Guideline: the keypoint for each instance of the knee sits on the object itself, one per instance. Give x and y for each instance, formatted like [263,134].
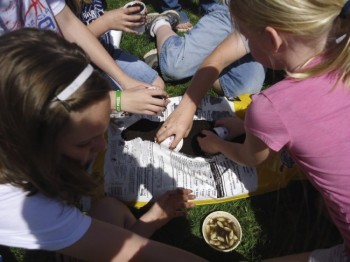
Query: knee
[177,70]
[159,82]
[106,203]
[111,210]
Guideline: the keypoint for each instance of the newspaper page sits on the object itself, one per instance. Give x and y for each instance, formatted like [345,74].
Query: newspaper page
[138,170]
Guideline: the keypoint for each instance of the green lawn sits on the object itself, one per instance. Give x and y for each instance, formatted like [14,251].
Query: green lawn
[286,221]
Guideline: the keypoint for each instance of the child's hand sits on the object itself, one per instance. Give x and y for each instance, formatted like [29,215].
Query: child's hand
[124,19]
[174,203]
[143,100]
[208,142]
[168,206]
[234,125]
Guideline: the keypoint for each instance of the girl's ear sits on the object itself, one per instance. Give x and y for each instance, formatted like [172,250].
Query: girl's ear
[275,39]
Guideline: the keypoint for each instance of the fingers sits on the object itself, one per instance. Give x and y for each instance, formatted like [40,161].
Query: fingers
[168,129]
[157,104]
[177,139]
[157,91]
[182,194]
[181,202]
[163,133]
[134,17]
[135,11]
[179,124]
[144,99]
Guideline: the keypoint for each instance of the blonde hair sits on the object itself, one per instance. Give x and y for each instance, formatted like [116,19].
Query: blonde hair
[308,20]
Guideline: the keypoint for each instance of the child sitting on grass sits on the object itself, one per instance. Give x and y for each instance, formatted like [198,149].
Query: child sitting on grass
[308,112]
[54,111]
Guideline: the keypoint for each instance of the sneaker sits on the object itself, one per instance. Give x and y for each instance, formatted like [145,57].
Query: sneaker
[171,16]
[151,58]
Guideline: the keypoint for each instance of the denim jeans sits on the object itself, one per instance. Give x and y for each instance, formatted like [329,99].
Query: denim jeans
[180,57]
[133,67]
[164,5]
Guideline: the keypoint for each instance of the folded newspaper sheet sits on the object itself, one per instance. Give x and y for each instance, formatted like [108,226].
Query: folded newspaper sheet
[137,170]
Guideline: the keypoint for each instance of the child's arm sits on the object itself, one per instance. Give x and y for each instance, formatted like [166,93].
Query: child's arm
[171,204]
[105,242]
[75,31]
[251,153]
[123,19]
[180,121]
[108,241]
[141,100]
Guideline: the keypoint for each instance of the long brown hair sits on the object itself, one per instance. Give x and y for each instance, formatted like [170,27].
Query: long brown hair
[35,66]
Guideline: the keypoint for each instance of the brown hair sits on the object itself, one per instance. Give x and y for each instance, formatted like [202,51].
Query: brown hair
[35,66]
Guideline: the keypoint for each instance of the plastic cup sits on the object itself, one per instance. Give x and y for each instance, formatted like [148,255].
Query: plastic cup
[140,29]
[222,231]
[116,37]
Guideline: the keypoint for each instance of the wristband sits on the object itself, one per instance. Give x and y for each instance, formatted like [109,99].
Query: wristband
[118,102]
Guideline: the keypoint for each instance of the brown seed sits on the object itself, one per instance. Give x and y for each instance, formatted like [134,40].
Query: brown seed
[228,229]
[219,223]
[213,236]
[231,234]
[231,242]
[221,219]
[221,239]
[207,229]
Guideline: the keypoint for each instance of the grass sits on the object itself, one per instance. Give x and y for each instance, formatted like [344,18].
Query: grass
[282,222]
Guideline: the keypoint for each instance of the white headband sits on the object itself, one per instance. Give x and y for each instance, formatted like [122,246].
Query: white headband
[77,82]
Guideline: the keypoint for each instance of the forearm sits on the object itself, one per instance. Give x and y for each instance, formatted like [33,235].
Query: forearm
[75,31]
[229,51]
[99,26]
[251,153]
[201,82]
[235,152]
[144,229]
[112,95]
[156,251]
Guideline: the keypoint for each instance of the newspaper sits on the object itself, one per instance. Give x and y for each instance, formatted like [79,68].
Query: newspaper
[138,170]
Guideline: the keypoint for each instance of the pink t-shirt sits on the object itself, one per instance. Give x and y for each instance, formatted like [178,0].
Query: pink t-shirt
[311,119]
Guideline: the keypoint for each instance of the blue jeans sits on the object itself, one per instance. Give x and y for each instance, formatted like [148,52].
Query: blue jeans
[133,67]
[180,57]
[164,5]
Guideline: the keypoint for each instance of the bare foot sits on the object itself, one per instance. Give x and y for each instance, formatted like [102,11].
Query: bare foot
[168,206]
[184,27]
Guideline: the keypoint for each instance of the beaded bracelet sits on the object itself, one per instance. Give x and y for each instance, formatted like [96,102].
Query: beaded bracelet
[118,102]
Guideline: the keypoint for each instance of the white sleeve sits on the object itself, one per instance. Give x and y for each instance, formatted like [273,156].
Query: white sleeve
[56,6]
[38,222]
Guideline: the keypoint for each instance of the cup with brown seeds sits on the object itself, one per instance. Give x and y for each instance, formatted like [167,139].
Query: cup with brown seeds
[222,231]
[143,10]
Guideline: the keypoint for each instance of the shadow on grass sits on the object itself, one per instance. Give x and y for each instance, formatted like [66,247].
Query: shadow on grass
[287,221]
[22,255]
[292,220]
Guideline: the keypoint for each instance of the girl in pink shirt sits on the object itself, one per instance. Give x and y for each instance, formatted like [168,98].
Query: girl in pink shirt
[308,112]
